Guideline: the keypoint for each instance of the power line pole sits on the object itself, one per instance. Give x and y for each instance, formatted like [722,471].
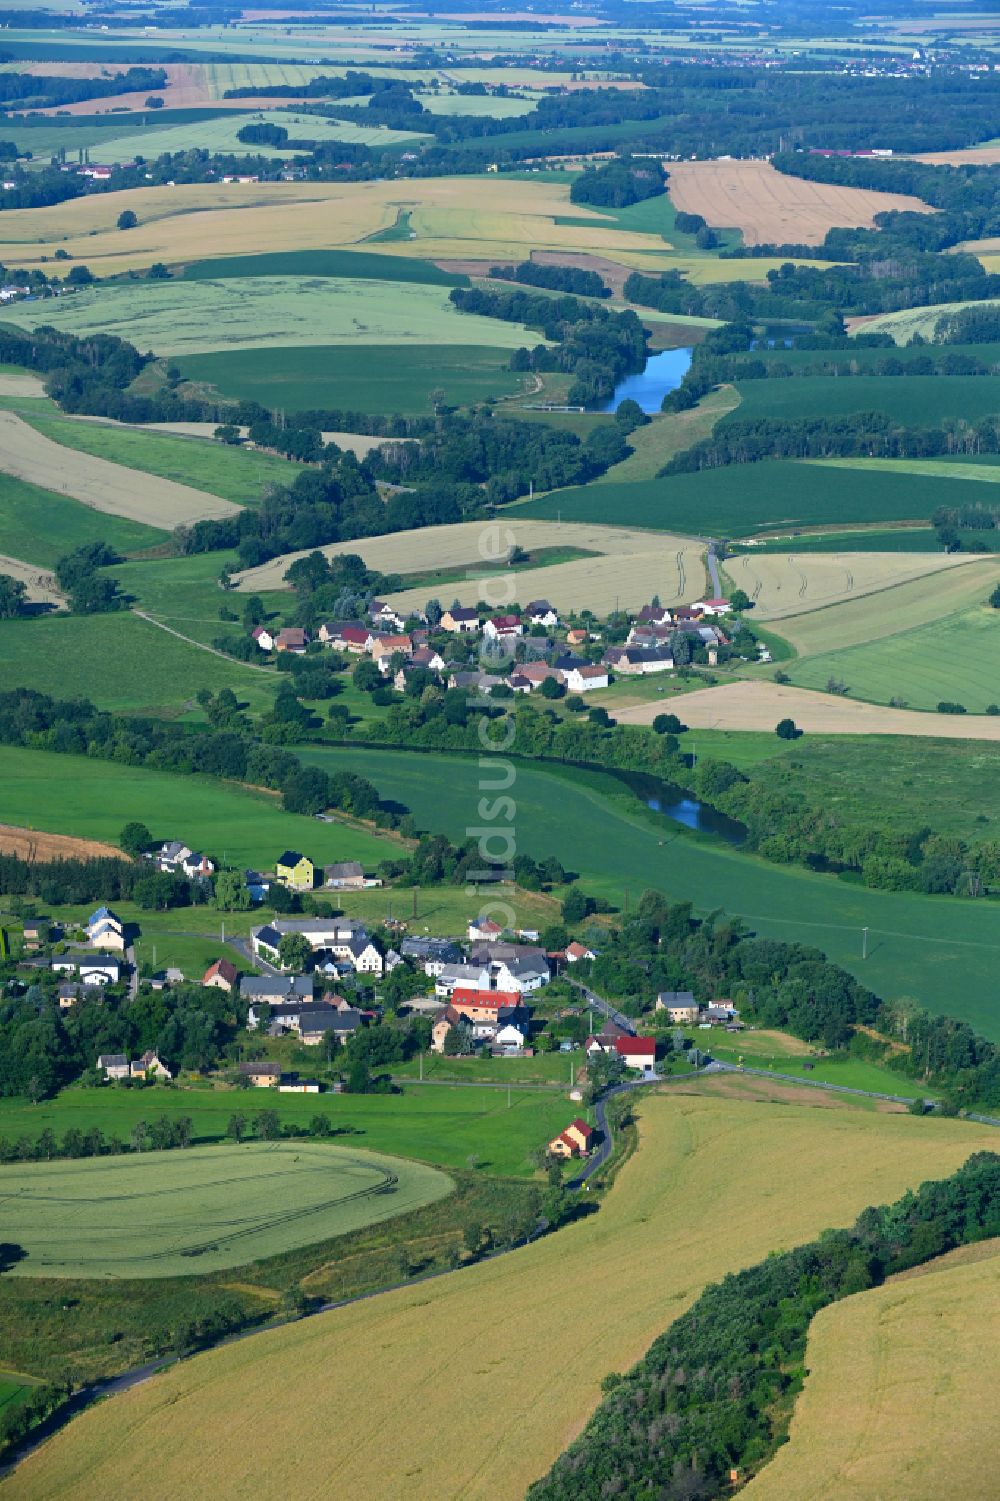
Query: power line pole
[864,943]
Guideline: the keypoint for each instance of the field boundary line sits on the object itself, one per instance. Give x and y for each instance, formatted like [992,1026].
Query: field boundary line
[873,593]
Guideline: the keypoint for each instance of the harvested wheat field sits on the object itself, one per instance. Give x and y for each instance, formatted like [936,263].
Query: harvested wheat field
[103,486]
[893,1406]
[759,705]
[21,385]
[701,1197]
[29,844]
[773,208]
[449,217]
[41,584]
[628,565]
[783,584]
[860,619]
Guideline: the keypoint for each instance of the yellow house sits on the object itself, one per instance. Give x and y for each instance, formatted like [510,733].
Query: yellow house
[295,871]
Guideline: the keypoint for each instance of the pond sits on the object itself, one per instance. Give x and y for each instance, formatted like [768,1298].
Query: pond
[677,805]
[664,372]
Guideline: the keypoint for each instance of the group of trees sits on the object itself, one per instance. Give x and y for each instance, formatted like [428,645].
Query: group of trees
[30,91]
[572,279]
[595,346]
[618,183]
[715,1393]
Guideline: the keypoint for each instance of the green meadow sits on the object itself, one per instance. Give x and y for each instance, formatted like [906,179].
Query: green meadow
[916,400]
[221,134]
[184,593]
[183,1213]
[120,661]
[956,660]
[236,474]
[433,1123]
[356,378]
[940,950]
[356,264]
[95,799]
[42,527]
[741,499]
[255,312]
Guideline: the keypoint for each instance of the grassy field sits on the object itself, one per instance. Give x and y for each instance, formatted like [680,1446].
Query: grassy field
[221,135]
[916,400]
[169,1214]
[919,320]
[737,501]
[435,1123]
[350,263]
[184,593]
[956,659]
[688,1208]
[256,312]
[237,474]
[939,950]
[870,1424]
[42,527]
[121,662]
[74,794]
[871,539]
[357,378]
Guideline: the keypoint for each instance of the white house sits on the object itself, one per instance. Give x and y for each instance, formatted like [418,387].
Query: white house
[540,612]
[113,1065]
[585,679]
[503,628]
[263,637]
[509,1037]
[484,929]
[92,969]
[105,930]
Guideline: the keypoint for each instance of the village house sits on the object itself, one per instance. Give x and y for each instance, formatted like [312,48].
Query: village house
[385,617]
[576,951]
[540,612]
[114,1065]
[149,1066]
[483,1005]
[605,1040]
[654,615]
[294,870]
[300,1086]
[713,606]
[68,995]
[273,990]
[292,638]
[484,929]
[575,1141]
[432,955]
[105,930]
[263,637]
[442,1025]
[460,620]
[532,675]
[426,656]
[680,1006]
[171,855]
[262,1074]
[384,648]
[221,975]
[636,1052]
[511,1034]
[198,867]
[347,635]
[36,932]
[634,661]
[577,636]
[504,629]
[92,969]
[257,886]
[476,682]
[585,679]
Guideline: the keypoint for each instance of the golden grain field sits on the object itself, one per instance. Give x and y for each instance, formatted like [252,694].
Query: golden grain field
[758,705]
[470,1385]
[98,483]
[782,584]
[868,617]
[773,208]
[897,1405]
[630,565]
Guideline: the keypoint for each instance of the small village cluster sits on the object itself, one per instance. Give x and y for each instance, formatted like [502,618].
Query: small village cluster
[521,644]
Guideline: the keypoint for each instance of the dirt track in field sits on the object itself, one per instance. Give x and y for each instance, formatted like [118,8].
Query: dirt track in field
[759,706]
[32,846]
[98,483]
[770,207]
[42,586]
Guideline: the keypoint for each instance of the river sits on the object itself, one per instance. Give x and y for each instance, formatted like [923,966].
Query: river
[664,372]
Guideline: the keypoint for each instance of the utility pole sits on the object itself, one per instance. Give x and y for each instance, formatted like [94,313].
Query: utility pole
[571,1073]
[223,930]
[421,1068]
[415,903]
[508,1096]
[864,943]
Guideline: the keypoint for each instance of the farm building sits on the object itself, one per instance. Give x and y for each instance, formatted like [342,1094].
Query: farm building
[294,870]
[221,975]
[262,1075]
